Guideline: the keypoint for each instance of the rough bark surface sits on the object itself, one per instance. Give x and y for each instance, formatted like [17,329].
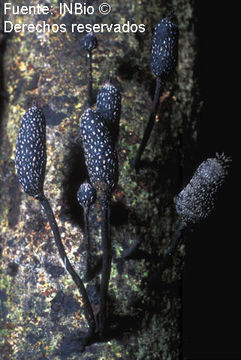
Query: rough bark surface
[40,308]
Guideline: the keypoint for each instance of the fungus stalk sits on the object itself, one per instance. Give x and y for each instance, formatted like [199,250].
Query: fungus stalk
[150,124]
[90,78]
[86,196]
[87,242]
[168,254]
[54,227]
[106,262]
[175,242]
[30,163]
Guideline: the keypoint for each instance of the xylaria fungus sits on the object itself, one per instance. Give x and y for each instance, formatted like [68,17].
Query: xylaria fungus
[31,152]
[102,164]
[86,196]
[196,201]
[163,62]
[100,154]
[108,103]
[30,162]
[164,49]
[89,43]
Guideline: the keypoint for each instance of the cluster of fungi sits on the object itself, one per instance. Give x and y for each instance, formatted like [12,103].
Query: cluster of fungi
[99,130]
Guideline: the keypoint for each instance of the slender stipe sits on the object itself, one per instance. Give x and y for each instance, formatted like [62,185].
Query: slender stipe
[90,79]
[106,264]
[86,196]
[174,243]
[87,242]
[150,123]
[168,255]
[54,227]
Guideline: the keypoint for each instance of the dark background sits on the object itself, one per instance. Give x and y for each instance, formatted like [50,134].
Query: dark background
[211,284]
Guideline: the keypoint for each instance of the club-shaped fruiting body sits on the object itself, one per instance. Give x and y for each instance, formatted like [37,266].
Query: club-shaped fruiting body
[164,49]
[100,154]
[86,195]
[196,201]
[108,103]
[90,42]
[30,156]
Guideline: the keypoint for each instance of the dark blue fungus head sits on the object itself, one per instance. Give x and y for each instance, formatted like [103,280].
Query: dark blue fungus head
[196,201]
[86,195]
[30,157]
[89,42]
[100,154]
[164,49]
[108,103]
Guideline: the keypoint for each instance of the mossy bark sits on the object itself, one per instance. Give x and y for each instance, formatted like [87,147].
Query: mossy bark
[41,310]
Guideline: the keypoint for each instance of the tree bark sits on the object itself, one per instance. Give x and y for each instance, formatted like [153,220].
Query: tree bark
[37,321]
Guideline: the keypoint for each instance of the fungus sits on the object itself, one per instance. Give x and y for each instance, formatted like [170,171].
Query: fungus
[100,154]
[86,196]
[164,49]
[90,43]
[102,164]
[196,201]
[163,63]
[30,162]
[31,151]
[108,103]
